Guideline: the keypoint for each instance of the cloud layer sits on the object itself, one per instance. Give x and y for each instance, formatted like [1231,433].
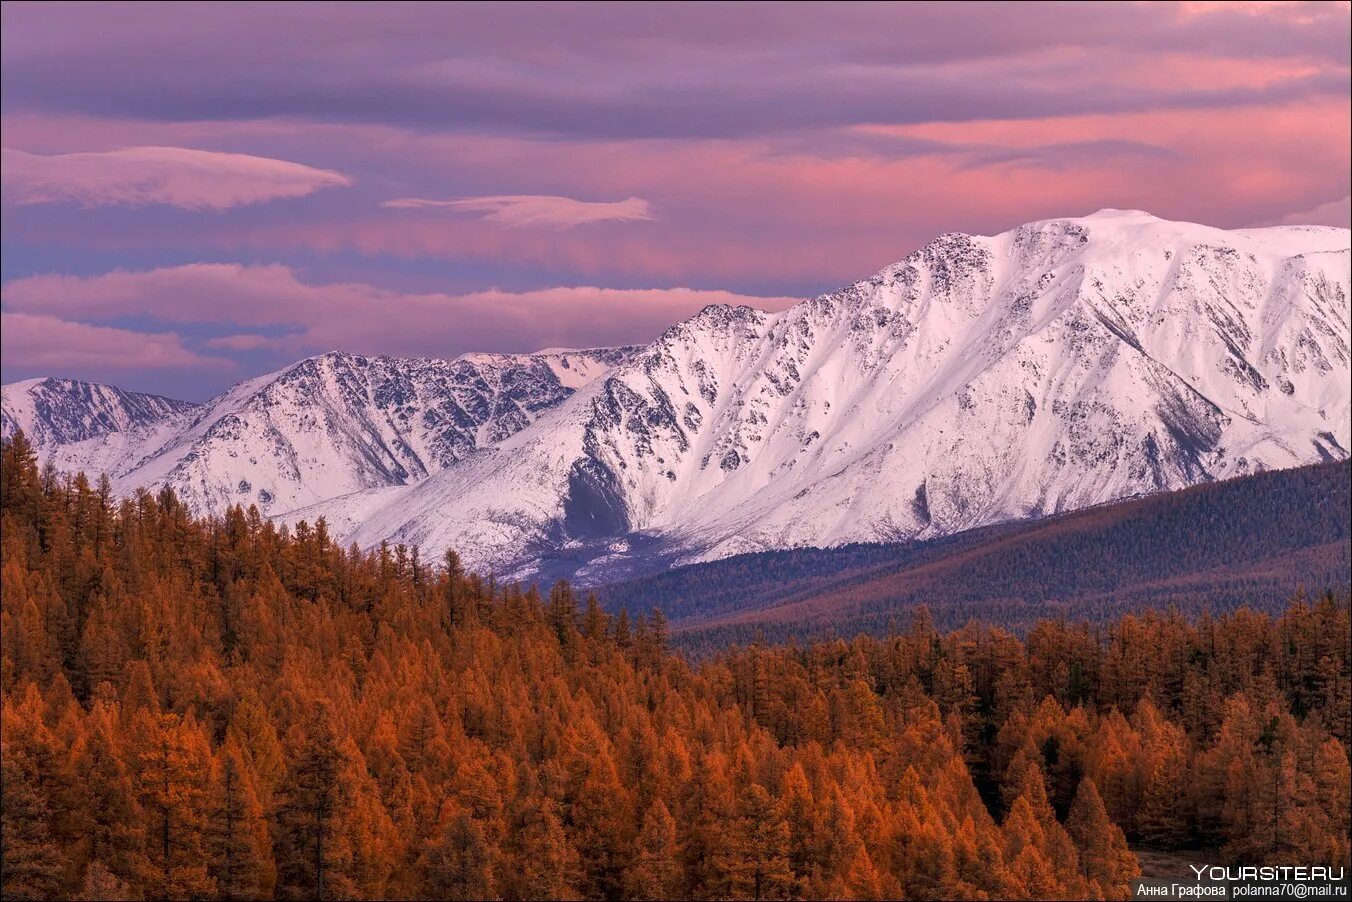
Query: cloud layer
[534,210]
[272,309]
[759,150]
[730,71]
[47,343]
[176,176]
[1334,213]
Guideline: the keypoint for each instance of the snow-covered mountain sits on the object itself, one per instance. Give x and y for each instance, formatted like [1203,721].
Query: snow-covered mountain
[55,412]
[1062,364]
[326,426]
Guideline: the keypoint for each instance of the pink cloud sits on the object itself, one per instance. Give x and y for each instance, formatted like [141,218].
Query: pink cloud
[737,210]
[248,342]
[1334,213]
[364,318]
[822,210]
[177,176]
[1302,11]
[534,210]
[1227,173]
[35,341]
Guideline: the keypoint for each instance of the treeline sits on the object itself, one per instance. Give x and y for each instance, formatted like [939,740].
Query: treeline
[1217,547]
[225,709]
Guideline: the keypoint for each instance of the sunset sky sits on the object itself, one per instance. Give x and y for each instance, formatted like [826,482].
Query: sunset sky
[195,195]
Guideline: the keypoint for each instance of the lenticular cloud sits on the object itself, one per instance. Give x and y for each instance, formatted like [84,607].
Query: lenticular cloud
[176,176]
[535,210]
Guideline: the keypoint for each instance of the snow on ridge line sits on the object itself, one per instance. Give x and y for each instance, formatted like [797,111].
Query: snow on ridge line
[59,411]
[329,425]
[1062,363]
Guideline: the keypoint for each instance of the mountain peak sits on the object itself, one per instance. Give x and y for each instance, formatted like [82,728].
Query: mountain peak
[331,424]
[1060,364]
[53,411]
[1057,365]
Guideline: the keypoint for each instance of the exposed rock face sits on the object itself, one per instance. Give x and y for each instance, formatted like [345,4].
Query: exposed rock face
[324,427]
[54,412]
[1062,364]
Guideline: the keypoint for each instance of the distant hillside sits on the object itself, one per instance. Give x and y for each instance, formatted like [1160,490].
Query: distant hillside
[1216,546]
[1061,364]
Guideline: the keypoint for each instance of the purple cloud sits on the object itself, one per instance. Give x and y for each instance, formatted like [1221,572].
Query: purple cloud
[1072,154]
[1334,213]
[786,149]
[713,72]
[534,210]
[177,176]
[36,342]
[364,318]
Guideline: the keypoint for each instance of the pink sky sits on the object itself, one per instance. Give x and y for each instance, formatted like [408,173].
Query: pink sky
[197,194]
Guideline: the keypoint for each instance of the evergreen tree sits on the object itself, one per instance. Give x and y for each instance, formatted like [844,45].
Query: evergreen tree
[461,863]
[31,864]
[238,845]
[656,871]
[757,849]
[314,856]
[173,767]
[113,828]
[1104,856]
[100,885]
[545,866]
[1162,821]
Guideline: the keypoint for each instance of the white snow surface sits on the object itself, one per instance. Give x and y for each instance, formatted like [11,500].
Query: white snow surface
[84,425]
[1062,364]
[324,427]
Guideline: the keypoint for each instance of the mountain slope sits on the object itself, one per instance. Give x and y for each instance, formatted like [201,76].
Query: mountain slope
[1248,540]
[54,412]
[1063,364]
[326,426]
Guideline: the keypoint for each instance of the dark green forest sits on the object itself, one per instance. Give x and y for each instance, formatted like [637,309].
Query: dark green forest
[1214,547]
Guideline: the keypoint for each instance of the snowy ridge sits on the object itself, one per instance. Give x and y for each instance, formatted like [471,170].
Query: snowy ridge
[326,426]
[1062,364]
[56,413]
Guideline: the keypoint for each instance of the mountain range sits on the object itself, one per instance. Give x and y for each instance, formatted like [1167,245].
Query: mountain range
[1062,364]
[327,426]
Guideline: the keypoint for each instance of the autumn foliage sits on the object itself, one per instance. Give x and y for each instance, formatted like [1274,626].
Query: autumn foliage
[225,709]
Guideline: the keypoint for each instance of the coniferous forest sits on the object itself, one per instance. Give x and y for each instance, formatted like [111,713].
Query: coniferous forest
[1214,546]
[224,709]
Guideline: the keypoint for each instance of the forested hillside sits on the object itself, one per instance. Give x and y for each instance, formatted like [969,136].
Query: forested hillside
[1215,547]
[221,709]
